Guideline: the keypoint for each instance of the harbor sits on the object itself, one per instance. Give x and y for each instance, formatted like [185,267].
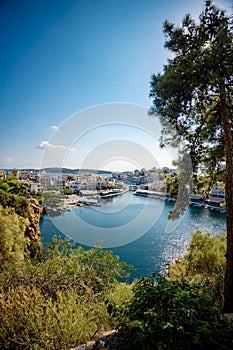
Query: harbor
[86,198]
[214,202]
[156,248]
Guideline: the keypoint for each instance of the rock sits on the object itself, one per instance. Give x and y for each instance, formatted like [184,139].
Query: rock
[88,346]
[33,229]
[112,340]
[229,317]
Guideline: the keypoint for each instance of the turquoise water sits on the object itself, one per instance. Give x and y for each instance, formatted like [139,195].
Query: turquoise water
[123,220]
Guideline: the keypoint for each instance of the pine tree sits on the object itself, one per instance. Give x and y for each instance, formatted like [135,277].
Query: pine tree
[193,99]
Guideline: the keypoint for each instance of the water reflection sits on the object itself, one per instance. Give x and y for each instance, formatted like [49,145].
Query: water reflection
[156,248]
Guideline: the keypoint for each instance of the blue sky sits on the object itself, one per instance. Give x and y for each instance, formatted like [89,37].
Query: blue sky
[59,57]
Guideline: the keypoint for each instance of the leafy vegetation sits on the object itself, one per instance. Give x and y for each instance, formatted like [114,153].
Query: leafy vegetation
[59,302]
[165,314]
[11,195]
[67,191]
[172,185]
[204,264]
[19,203]
[11,185]
[193,100]
[31,320]
[38,196]
[52,197]
[205,257]
[13,243]
[183,310]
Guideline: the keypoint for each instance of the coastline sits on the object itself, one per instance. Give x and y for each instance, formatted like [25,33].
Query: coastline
[75,200]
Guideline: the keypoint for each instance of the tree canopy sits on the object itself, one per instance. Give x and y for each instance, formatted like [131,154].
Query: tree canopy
[193,99]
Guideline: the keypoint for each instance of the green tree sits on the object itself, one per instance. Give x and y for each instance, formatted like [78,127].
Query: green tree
[67,191]
[205,258]
[13,186]
[193,98]
[18,203]
[172,186]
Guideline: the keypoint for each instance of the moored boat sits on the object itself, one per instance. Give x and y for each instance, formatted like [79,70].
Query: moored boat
[196,200]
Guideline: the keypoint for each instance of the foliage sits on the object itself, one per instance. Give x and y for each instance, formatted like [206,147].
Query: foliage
[171,315]
[172,186]
[118,185]
[12,241]
[31,320]
[38,196]
[120,293]
[67,191]
[204,264]
[19,203]
[206,255]
[193,99]
[13,186]
[11,195]
[187,96]
[50,197]
[63,267]
[59,302]
[204,184]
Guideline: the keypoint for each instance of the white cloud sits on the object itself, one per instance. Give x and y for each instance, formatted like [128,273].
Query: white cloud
[54,127]
[50,146]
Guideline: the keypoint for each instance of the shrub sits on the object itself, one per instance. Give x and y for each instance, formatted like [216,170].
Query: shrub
[12,241]
[206,254]
[38,196]
[59,302]
[30,320]
[204,264]
[19,203]
[171,315]
[63,268]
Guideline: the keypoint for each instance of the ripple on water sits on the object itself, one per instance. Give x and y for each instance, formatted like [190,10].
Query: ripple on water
[157,247]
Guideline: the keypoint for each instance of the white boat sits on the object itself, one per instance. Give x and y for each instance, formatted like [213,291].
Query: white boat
[217,197]
[196,200]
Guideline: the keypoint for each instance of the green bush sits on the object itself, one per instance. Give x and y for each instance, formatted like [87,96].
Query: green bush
[67,268]
[18,203]
[59,302]
[13,243]
[30,320]
[13,186]
[171,315]
[67,191]
[204,264]
[38,196]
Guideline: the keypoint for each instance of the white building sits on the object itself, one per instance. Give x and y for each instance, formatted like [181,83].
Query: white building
[46,182]
[35,187]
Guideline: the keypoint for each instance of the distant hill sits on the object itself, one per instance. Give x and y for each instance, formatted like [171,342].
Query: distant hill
[60,170]
[55,170]
[75,171]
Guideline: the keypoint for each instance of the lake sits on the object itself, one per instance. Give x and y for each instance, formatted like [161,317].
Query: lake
[135,228]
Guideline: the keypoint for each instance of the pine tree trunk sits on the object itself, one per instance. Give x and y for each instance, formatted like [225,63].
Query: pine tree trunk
[228,282]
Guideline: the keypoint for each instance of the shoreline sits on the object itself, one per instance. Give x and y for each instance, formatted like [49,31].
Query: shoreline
[75,200]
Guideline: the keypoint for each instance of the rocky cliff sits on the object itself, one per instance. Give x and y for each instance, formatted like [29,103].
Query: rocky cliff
[33,229]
